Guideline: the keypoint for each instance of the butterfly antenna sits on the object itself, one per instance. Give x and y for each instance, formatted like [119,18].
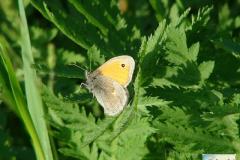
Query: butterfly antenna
[74,64]
[90,61]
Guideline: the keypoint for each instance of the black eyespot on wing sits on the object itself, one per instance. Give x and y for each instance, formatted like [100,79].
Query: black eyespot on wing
[122,65]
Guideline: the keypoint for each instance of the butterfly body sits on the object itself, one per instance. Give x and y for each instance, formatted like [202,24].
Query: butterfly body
[108,83]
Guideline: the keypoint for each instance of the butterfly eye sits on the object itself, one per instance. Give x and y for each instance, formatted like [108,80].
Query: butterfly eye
[123,65]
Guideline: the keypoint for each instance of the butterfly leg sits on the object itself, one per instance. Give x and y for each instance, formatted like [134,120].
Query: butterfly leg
[83,84]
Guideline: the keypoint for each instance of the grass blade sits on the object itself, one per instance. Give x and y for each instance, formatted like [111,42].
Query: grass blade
[16,98]
[34,101]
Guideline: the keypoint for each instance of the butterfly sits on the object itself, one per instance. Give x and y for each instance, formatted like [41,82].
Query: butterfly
[109,82]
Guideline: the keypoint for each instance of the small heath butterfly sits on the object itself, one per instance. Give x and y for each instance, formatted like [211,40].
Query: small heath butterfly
[109,82]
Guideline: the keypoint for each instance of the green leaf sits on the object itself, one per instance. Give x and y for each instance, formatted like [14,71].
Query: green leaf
[161,82]
[193,51]
[229,46]
[206,68]
[196,136]
[201,19]
[125,144]
[149,52]
[81,8]
[88,30]
[176,45]
[68,118]
[150,101]
[95,58]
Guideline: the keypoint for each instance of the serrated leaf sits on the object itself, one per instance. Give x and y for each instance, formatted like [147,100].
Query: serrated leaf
[125,144]
[95,57]
[206,68]
[193,52]
[176,45]
[161,82]
[201,19]
[229,45]
[150,101]
[196,135]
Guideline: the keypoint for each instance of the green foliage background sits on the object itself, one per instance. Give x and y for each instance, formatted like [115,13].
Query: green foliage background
[184,98]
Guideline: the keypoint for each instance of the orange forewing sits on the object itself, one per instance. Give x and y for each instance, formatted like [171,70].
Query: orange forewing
[116,70]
